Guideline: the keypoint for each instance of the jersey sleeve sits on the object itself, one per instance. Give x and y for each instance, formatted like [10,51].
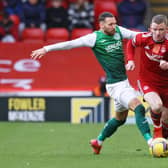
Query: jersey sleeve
[131,44]
[137,40]
[127,34]
[130,49]
[84,41]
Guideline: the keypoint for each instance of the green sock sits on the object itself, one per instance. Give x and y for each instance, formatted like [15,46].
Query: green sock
[142,122]
[109,128]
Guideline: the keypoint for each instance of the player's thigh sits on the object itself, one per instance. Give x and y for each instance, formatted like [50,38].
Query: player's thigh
[128,98]
[122,93]
[165,115]
[164,97]
[154,100]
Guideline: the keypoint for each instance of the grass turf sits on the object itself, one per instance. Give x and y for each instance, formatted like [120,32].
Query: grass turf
[64,145]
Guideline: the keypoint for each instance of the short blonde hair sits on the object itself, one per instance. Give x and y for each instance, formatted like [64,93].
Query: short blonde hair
[158,19]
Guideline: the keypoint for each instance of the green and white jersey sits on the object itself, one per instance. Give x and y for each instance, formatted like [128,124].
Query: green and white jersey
[107,49]
[109,52]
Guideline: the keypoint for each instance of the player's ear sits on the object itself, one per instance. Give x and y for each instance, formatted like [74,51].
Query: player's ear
[101,24]
[149,29]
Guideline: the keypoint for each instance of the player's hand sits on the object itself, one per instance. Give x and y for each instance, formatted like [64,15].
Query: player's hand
[130,66]
[163,65]
[38,53]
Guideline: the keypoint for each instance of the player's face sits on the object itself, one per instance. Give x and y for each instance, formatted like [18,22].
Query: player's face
[109,25]
[158,31]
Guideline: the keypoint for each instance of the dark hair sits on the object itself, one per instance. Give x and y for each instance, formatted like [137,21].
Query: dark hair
[158,19]
[104,15]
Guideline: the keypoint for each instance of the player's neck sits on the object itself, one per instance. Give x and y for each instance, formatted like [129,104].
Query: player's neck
[161,41]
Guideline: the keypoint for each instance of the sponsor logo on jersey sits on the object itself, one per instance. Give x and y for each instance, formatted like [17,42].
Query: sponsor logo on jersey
[112,47]
[154,57]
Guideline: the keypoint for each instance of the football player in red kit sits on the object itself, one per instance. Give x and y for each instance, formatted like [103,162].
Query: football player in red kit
[153,75]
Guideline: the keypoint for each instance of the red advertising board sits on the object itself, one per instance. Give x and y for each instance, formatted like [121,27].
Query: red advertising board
[75,69]
[60,70]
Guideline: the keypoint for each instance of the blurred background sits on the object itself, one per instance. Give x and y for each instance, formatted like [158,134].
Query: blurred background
[61,86]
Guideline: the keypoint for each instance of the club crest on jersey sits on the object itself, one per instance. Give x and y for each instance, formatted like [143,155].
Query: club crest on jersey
[145,87]
[116,36]
[163,49]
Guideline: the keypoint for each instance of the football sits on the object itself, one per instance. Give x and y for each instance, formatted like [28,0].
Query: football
[159,147]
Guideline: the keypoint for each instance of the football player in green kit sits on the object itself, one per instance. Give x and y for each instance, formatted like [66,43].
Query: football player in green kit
[106,44]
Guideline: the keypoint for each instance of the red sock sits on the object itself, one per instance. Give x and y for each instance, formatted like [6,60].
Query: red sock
[156,118]
[165,129]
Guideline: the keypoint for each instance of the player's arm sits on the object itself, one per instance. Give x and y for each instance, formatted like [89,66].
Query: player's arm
[164,63]
[84,41]
[128,34]
[130,51]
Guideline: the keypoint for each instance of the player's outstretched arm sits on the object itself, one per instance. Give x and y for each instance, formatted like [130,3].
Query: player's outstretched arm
[38,53]
[84,41]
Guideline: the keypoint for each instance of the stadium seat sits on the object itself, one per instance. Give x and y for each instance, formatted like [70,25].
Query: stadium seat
[34,35]
[15,19]
[54,35]
[78,32]
[101,6]
[48,4]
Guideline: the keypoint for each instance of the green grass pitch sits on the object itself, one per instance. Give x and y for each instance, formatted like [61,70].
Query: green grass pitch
[64,145]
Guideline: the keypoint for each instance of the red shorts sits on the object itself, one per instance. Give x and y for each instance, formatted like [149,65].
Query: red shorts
[146,87]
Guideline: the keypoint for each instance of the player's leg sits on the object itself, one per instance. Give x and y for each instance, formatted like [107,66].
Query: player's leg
[109,129]
[112,125]
[128,98]
[156,105]
[141,122]
[164,120]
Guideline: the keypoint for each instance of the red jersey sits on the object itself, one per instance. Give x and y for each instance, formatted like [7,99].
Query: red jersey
[151,54]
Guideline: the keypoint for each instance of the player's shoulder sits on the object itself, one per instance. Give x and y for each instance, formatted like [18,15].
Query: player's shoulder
[144,35]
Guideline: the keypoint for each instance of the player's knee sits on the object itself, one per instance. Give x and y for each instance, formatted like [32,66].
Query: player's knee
[157,107]
[134,103]
[164,117]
